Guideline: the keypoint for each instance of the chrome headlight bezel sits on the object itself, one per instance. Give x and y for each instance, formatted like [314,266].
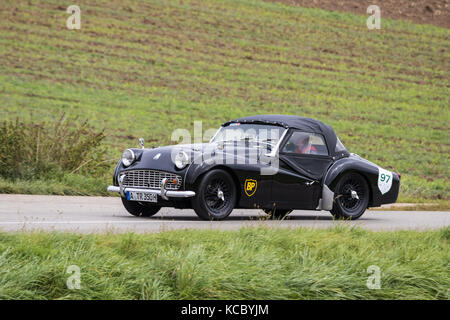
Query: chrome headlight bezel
[128,157]
[181,160]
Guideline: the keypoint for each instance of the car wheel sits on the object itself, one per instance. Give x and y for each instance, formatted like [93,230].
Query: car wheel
[277,214]
[140,210]
[351,197]
[215,196]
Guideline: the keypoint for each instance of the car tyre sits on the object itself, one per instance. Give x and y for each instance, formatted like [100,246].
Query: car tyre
[215,196]
[140,210]
[346,206]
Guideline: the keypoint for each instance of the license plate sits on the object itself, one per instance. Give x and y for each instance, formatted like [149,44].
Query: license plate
[142,196]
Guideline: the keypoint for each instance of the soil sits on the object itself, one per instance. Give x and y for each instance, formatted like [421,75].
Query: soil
[435,12]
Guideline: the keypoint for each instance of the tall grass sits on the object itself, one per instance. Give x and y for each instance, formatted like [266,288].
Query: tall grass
[251,263]
[36,150]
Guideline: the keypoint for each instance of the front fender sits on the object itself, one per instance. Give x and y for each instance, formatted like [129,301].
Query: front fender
[195,170]
[202,165]
[225,159]
[240,173]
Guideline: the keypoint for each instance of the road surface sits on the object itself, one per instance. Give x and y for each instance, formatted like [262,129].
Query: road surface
[106,214]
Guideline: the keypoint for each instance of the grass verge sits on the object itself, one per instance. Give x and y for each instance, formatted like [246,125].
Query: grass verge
[251,263]
[66,184]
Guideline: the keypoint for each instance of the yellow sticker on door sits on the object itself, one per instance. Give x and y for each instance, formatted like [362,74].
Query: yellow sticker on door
[250,186]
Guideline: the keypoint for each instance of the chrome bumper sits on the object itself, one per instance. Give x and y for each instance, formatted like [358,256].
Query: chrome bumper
[162,192]
[166,193]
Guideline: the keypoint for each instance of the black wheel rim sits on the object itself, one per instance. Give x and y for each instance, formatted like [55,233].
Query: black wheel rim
[348,202]
[213,195]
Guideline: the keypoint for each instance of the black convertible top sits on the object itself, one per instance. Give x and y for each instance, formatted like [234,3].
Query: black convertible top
[295,122]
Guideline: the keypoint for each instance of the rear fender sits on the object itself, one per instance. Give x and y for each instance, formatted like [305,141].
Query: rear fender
[370,172]
[361,166]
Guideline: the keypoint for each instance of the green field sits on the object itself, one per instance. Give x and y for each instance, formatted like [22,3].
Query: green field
[252,263]
[145,68]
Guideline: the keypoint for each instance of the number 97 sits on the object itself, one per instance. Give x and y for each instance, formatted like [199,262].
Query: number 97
[385,177]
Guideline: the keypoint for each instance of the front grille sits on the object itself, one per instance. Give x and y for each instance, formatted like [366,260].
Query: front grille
[150,179]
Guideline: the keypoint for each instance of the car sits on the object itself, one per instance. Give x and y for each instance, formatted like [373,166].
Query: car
[277,163]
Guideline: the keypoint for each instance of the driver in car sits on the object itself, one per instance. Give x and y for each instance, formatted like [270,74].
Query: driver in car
[304,147]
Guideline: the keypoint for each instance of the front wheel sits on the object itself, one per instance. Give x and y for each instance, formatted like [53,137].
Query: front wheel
[351,197]
[215,196]
[140,210]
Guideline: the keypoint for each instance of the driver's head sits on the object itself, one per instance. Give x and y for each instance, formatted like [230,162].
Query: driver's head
[301,141]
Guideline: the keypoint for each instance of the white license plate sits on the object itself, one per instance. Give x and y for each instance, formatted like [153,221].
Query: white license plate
[142,196]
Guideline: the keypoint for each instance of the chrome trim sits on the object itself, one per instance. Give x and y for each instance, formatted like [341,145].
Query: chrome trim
[319,206]
[326,202]
[169,193]
[184,154]
[141,142]
[163,189]
[151,179]
[132,161]
[121,178]
[220,195]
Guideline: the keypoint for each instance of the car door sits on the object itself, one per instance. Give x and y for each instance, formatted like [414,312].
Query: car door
[304,159]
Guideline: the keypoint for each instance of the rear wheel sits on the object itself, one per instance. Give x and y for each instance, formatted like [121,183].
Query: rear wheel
[277,214]
[139,209]
[351,197]
[215,196]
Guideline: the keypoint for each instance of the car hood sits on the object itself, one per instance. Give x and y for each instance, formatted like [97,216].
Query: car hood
[160,158]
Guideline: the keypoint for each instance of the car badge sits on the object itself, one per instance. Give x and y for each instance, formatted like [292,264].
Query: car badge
[250,186]
[157,156]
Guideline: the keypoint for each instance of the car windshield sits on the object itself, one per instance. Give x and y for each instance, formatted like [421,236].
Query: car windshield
[268,135]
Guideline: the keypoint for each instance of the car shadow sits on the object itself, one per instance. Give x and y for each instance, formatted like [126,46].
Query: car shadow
[238,218]
[247,217]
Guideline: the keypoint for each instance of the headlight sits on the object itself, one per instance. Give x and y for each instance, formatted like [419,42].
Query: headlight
[181,160]
[128,157]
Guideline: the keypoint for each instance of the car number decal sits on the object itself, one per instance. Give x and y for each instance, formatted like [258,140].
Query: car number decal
[250,186]
[384,180]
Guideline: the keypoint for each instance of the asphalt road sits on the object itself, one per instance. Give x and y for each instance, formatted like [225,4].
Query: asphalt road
[103,214]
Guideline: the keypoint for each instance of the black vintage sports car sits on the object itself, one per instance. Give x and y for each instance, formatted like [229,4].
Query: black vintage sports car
[277,163]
